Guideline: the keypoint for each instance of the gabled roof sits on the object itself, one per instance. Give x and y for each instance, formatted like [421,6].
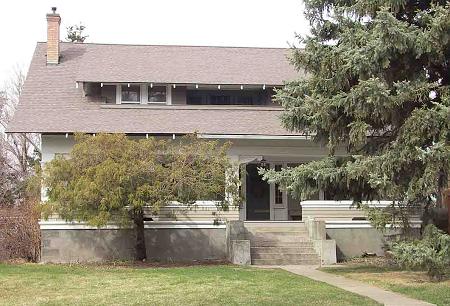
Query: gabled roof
[51,103]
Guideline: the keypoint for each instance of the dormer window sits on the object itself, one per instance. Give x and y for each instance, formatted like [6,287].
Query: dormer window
[157,94]
[143,93]
[131,94]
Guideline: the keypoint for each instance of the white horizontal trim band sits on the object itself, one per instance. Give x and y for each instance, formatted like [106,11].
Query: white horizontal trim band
[263,137]
[362,224]
[197,204]
[341,204]
[63,225]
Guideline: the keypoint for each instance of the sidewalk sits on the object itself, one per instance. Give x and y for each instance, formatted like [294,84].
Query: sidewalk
[382,296]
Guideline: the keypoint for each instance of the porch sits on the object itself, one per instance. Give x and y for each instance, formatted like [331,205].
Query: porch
[265,201]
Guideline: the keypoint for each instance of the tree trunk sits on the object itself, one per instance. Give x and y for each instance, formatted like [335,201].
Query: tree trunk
[447,202]
[448,214]
[141,251]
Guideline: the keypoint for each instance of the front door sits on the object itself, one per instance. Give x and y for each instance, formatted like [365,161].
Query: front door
[257,195]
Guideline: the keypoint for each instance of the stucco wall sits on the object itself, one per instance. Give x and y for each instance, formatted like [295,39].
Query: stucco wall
[167,244]
[55,144]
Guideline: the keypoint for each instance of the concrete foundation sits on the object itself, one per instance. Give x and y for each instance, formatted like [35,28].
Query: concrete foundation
[177,244]
[353,242]
[165,245]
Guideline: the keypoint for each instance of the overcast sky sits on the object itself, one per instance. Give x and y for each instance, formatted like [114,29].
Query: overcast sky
[261,23]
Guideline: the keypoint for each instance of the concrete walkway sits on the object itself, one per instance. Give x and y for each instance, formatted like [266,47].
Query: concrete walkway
[382,296]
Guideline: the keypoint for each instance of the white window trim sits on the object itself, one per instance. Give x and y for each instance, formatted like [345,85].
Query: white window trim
[119,95]
[169,95]
[144,95]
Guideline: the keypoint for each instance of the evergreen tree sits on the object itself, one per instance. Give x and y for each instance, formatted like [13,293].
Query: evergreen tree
[377,86]
[111,178]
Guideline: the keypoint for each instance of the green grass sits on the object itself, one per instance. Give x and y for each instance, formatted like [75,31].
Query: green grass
[36,284]
[415,284]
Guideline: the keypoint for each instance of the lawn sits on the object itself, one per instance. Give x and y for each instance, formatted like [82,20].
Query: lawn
[38,284]
[414,284]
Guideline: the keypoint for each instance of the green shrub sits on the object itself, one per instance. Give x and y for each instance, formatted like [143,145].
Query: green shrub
[432,252]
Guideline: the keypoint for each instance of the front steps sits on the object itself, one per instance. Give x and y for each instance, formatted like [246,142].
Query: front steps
[280,243]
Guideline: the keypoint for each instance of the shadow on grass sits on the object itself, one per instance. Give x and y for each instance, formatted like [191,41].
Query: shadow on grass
[367,268]
[361,269]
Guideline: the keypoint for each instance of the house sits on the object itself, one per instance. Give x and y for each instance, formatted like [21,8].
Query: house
[222,93]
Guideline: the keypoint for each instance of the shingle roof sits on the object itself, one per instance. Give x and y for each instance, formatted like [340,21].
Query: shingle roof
[50,102]
[185,64]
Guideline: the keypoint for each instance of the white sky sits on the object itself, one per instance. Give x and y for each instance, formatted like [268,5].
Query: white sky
[261,23]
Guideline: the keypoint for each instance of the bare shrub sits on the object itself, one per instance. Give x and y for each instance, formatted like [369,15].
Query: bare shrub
[19,232]
[19,180]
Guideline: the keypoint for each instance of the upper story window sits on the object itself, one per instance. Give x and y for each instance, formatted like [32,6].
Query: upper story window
[131,94]
[220,99]
[108,92]
[145,93]
[227,97]
[157,94]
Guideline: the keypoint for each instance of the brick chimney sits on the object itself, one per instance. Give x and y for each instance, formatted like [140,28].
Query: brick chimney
[53,22]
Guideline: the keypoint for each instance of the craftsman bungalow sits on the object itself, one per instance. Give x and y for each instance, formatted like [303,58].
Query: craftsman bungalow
[222,93]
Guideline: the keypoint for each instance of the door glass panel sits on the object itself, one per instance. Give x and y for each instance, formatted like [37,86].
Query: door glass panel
[257,195]
[278,192]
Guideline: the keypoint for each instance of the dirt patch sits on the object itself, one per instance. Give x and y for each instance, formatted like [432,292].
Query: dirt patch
[153,264]
[376,261]
[129,264]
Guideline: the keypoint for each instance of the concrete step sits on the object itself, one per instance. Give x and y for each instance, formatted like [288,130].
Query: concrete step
[276,229]
[282,250]
[278,234]
[285,256]
[281,244]
[274,224]
[265,262]
[276,241]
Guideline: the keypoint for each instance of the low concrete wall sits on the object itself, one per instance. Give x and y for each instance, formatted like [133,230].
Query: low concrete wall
[163,244]
[353,242]
[355,238]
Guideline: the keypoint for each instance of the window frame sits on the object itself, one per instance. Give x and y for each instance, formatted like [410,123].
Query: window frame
[144,87]
[130,102]
[276,187]
[251,97]
[147,89]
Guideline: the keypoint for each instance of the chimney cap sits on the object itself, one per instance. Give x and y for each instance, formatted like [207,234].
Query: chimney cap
[54,9]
